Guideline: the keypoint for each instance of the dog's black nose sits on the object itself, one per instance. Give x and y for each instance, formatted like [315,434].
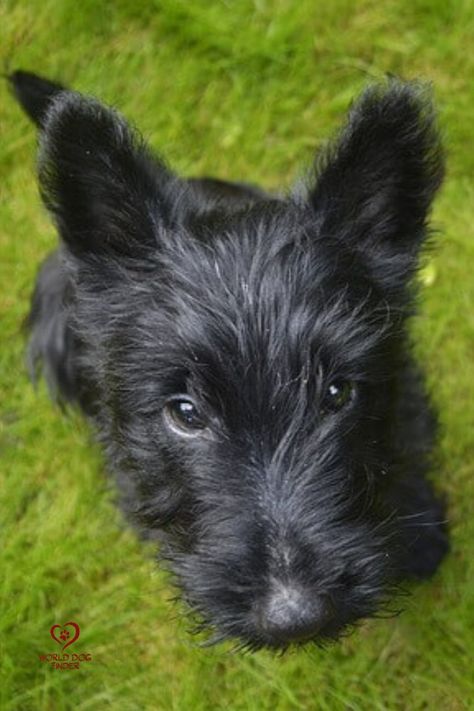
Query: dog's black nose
[290,613]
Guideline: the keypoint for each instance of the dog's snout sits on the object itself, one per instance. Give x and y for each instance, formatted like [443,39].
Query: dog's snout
[291,614]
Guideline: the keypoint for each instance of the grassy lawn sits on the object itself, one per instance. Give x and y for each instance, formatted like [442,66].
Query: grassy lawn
[240,89]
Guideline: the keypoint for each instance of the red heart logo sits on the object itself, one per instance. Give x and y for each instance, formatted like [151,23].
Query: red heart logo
[65,637]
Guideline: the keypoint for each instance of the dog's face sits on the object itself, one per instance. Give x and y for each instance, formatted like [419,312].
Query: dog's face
[245,359]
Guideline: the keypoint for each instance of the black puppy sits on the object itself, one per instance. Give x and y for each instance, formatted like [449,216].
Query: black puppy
[245,359]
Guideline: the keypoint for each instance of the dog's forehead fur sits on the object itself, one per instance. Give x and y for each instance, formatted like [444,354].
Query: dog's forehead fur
[261,303]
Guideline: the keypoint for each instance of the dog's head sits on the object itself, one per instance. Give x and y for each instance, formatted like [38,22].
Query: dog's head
[245,358]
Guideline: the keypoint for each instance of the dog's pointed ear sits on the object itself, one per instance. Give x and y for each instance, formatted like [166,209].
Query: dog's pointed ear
[375,184]
[105,191]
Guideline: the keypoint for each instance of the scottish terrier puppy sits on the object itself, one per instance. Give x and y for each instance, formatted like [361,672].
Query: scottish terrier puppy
[244,358]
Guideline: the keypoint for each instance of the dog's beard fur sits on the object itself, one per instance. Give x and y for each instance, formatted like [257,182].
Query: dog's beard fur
[299,501]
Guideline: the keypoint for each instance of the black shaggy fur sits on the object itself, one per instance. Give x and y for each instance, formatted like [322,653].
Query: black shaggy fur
[245,360]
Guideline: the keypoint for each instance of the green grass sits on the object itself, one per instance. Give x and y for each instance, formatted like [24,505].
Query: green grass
[245,90]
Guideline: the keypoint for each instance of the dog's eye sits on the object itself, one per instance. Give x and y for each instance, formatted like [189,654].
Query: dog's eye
[339,393]
[184,416]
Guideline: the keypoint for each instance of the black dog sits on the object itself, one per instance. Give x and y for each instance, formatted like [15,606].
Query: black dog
[245,359]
